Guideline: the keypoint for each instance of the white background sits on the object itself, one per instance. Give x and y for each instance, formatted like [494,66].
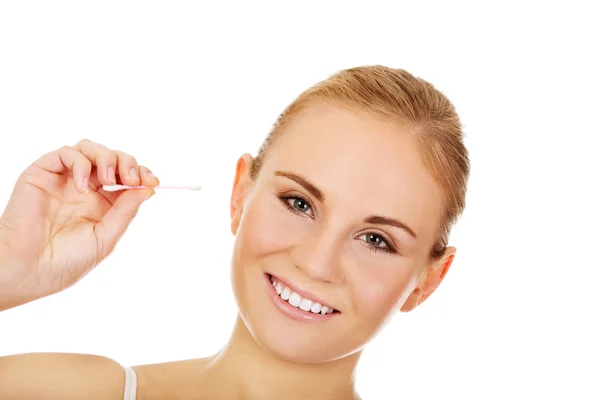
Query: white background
[187,88]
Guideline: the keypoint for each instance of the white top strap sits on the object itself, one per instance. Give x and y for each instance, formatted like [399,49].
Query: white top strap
[130,384]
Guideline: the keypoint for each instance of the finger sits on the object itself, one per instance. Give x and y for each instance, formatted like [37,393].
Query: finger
[104,159]
[68,159]
[111,197]
[128,169]
[148,178]
[116,220]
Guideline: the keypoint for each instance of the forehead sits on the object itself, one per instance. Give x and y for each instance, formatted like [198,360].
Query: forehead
[361,162]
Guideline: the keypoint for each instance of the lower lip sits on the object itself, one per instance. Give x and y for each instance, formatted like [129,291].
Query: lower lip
[293,312]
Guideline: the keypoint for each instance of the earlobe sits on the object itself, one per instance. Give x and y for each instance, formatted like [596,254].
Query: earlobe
[241,182]
[432,279]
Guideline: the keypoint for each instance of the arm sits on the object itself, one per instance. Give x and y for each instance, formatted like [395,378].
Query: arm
[13,290]
[58,225]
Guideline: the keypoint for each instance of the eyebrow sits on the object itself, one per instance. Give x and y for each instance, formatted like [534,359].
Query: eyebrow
[373,219]
[304,183]
[376,219]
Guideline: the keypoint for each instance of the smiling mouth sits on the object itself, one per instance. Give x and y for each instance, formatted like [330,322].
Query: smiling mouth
[295,300]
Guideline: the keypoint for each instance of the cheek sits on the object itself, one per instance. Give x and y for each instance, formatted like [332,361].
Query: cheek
[267,227]
[382,289]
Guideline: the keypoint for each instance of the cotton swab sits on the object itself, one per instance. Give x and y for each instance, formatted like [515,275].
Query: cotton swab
[116,188]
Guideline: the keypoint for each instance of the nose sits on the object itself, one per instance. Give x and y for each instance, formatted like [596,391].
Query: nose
[319,254]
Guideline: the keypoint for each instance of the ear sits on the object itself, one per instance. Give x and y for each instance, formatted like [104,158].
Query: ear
[431,280]
[241,182]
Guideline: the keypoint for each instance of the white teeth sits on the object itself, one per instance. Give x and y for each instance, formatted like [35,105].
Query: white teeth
[306,305]
[296,300]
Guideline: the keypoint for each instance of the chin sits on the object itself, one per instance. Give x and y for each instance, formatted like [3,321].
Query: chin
[298,347]
[315,340]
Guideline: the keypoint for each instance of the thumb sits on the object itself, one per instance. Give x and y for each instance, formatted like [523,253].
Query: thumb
[117,219]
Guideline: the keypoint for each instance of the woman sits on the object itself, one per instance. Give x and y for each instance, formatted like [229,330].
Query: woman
[341,220]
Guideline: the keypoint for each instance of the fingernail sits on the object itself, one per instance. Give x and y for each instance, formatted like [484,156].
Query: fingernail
[149,173]
[133,173]
[85,184]
[111,174]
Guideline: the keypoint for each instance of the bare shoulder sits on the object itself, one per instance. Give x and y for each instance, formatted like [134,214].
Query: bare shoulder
[173,380]
[60,376]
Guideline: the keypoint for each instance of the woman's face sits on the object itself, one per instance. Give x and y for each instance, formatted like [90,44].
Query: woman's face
[344,214]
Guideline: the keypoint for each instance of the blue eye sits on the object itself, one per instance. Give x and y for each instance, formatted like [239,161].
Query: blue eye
[297,205]
[377,243]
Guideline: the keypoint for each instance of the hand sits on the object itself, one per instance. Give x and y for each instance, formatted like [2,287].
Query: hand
[59,223]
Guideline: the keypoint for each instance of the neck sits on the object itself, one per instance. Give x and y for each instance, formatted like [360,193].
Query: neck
[244,370]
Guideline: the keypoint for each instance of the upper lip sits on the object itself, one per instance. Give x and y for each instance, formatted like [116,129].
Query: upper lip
[304,294]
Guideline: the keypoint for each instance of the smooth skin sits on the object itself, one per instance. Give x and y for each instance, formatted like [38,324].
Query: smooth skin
[57,226]
[368,270]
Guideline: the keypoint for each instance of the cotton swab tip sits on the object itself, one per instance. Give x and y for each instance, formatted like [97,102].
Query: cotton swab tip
[116,188]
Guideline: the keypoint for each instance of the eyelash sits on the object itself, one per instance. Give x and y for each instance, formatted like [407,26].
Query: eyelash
[387,250]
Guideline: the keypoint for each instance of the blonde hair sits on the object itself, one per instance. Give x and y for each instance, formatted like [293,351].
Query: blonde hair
[399,96]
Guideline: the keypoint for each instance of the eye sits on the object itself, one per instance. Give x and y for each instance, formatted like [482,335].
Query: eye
[377,243]
[297,205]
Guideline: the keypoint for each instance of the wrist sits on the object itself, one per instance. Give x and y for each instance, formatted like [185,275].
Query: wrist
[11,278]
[11,288]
